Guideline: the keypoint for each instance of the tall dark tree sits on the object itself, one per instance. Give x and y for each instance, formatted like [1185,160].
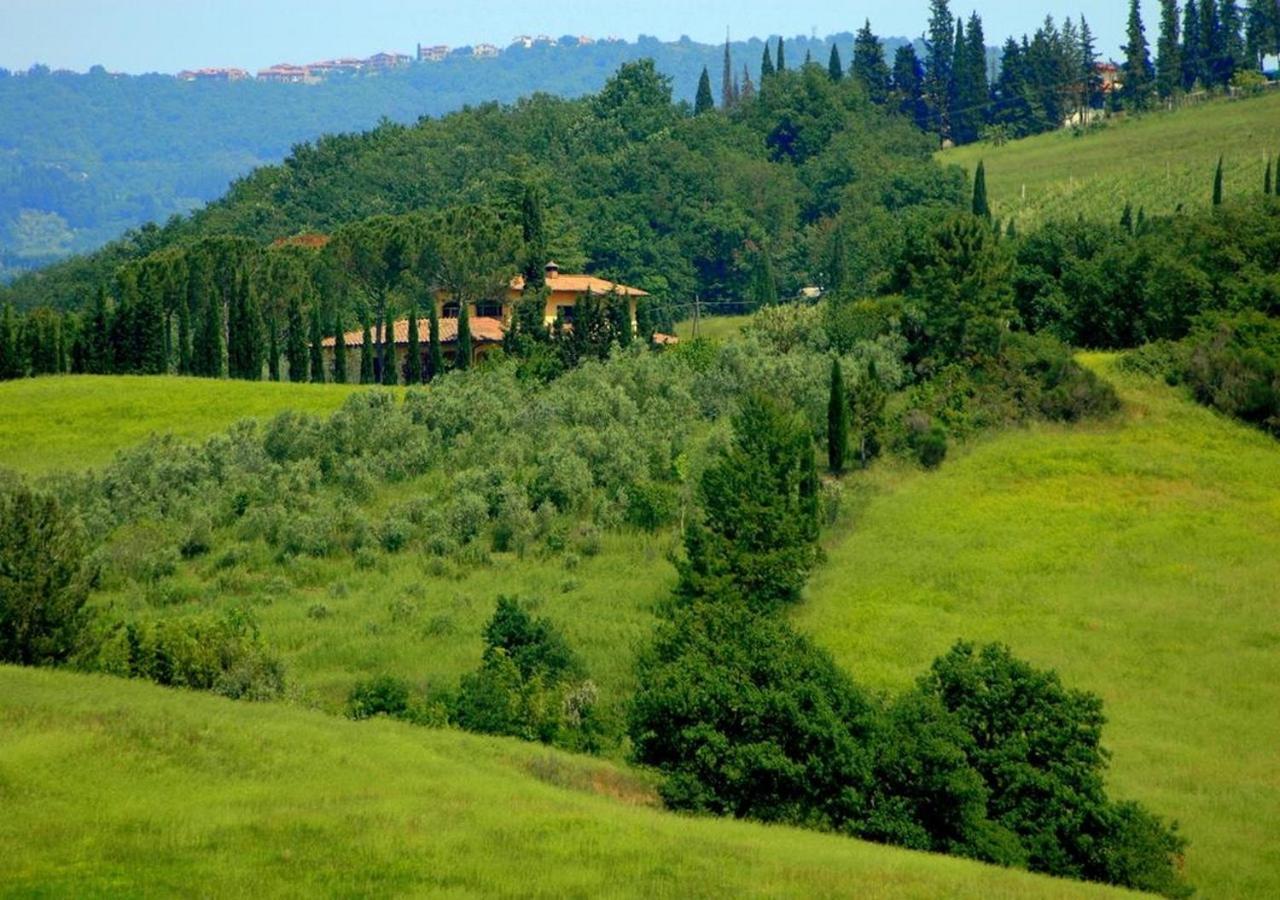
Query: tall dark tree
[533,233]
[273,347]
[970,82]
[184,332]
[413,362]
[388,373]
[1094,95]
[748,86]
[703,102]
[1266,180]
[1233,55]
[835,66]
[728,84]
[837,421]
[339,348]
[316,353]
[1191,56]
[98,338]
[939,54]
[764,284]
[207,347]
[462,348]
[869,67]
[1137,73]
[981,207]
[435,354]
[1213,46]
[1169,51]
[781,61]
[367,353]
[908,84]
[295,341]
[1217,184]
[9,367]
[766,64]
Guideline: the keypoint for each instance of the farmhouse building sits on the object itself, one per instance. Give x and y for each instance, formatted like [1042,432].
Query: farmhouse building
[488,319]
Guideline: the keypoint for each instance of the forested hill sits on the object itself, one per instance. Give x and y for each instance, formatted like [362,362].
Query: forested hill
[637,187]
[83,157]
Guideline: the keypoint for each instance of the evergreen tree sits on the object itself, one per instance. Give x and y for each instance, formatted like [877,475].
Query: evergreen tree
[766,64]
[1168,51]
[1191,56]
[413,362]
[728,86]
[908,81]
[838,265]
[1217,184]
[339,349]
[939,53]
[9,367]
[866,405]
[207,342]
[273,347]
[764,286]
[1232,41]
[837,421]
[1213,48]
[869,67]
[535,242]
[970,80]
[316,340]
[435,353]
[703,102]
[389,374]
[295,342]
[835,67]
[1266,181]
[781,62]
[462,353]
[620,329]
[748,87]
[1126,218]
[184,334]
[980,206]
[366,353]
[1137,73]
[1262,32]
[1093,92]
[98,339]
[149,337]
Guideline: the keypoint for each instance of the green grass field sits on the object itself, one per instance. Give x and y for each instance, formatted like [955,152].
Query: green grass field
[714,327]
[79,421]
[1140,558]
[1156,161]
[114,788]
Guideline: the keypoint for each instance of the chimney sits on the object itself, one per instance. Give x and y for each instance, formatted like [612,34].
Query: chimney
[552,269]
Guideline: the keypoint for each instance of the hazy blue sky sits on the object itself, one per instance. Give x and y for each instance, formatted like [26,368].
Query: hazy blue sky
[167,35]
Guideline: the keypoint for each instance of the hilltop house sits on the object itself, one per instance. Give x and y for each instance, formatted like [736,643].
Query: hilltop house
[488,318]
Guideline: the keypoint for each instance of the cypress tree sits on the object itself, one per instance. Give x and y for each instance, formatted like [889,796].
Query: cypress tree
[766,64]
[1137,72]
[1217,184]
[980,206]
[1126,218]
[413,364]
[8,345]
[728,88]
[764,287]
[940,51]
[462,353]
[781,61]
[838,265]
[184,334]
[1266,181]
[98,339]
[1093,95]
[748,87]
[389,374]
[273,347]
[835,67]
[869,66]
[339,349]
[435,353]
[908,77]
[1232,40]
[1168,51]
[316,339]
[295,342]
[366,354]
[1212,46]
[703,102]
[1191,54]
[535,243]
[970,80]
[837,421]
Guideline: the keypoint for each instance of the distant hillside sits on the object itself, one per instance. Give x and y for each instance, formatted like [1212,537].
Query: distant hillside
[117,788]
[1158,162]
[85,157]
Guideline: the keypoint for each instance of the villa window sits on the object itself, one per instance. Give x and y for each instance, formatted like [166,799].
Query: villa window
[449,310]
[565,312]
[489,308]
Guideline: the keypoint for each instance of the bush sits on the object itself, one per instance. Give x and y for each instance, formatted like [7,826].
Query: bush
[383,695]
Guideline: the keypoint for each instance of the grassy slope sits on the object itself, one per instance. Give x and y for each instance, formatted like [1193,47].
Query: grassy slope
[114,788]
[1140,558]
[77,421]
[1157,161]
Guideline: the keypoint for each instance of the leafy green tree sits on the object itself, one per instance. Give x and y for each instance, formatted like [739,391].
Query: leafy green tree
[908,84]
[866,407]
[756,537]
[1168,51]
[764,284]
[703,101]
[837,421]
[1137,74]
[835,66]
[869,66]
[316,354]
[413,363]
[981,208]
[43,578]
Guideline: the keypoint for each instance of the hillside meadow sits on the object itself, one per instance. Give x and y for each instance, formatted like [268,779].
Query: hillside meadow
[75,422]
[1140,558]
[1158,161]
[117,788]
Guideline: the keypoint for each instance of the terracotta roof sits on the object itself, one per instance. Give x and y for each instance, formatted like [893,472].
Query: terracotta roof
[484,330]
[580,284]
[663,340]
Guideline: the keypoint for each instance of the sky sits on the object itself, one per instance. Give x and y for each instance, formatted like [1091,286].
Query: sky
[168,35]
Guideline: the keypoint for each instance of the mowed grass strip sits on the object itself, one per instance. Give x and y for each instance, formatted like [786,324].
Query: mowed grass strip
[1156,161]
[1138,557]
[114,788]
[73,422]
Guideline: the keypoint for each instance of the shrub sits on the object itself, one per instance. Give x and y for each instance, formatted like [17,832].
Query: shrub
[383,695]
